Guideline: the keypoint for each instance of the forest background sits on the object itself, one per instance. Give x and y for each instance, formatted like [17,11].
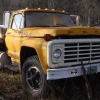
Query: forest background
[88,10]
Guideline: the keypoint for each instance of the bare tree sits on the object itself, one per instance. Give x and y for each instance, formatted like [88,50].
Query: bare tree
[88,10]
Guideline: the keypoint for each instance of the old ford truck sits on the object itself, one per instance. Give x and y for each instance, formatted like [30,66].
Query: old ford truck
[44,45]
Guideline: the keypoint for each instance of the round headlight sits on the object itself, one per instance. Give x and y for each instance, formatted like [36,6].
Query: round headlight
[57,53]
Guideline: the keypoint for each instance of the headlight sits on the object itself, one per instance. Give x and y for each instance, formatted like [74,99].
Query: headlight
[57,53]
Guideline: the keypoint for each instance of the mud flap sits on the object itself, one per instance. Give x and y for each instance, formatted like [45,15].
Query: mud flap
[88,88]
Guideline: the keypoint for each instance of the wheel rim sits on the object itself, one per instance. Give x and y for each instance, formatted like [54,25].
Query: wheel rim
[33,78]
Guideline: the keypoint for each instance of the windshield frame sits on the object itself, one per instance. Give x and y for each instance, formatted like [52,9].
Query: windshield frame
[54,13]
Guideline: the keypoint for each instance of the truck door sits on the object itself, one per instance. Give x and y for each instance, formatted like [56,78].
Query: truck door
[13,36]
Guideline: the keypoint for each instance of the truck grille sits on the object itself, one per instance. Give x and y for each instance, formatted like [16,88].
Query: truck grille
[73,51]
[89,52]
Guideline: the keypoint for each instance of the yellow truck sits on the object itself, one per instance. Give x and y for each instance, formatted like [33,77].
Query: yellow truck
[44,45]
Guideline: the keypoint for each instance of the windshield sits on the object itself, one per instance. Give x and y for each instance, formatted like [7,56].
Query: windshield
[47,19]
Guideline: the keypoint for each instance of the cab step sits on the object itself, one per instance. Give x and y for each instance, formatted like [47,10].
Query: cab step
[11,68]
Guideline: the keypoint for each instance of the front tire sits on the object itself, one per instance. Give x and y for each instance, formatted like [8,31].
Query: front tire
[33,78]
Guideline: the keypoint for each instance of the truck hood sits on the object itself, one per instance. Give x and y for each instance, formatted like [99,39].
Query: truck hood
[55,31]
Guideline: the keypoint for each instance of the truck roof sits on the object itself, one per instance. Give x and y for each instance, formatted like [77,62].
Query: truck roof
[41,10]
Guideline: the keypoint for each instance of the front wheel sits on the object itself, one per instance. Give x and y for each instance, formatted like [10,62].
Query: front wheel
[33,78]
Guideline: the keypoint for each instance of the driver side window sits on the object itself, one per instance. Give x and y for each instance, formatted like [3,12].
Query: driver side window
[17,22]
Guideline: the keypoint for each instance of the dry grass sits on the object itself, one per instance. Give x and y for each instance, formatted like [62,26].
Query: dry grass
[11,88]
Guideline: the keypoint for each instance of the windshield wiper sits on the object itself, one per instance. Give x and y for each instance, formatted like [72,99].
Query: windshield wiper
[60,25]
[40,26]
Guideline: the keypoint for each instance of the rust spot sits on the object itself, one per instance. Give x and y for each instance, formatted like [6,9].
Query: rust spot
[84,32]
[70,32]
[96,32]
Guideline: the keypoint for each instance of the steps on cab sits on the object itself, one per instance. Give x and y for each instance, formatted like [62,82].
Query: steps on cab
[12,68]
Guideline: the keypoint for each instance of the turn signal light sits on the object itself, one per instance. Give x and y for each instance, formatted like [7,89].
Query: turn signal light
[63,11]
[27,8]
[46,8]
[39,8]
[48,37]
[53,9]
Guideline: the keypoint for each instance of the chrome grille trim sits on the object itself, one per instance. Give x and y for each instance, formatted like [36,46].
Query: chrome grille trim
[87,51]
[73,50]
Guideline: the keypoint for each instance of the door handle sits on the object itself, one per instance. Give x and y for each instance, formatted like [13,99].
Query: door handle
[8,33]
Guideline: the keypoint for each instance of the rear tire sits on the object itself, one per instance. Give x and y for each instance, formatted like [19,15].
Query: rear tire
[33,78]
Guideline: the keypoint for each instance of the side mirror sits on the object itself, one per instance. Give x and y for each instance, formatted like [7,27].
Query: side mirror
[6,19]
[75,19]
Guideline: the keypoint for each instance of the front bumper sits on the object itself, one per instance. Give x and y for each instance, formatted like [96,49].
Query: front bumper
[60,73]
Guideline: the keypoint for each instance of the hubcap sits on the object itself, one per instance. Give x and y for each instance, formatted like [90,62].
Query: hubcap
[33,78]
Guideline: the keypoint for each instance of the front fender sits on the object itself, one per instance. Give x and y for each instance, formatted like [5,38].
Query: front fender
[40,45]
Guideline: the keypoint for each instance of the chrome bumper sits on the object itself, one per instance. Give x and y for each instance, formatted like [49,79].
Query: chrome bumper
[60,73]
